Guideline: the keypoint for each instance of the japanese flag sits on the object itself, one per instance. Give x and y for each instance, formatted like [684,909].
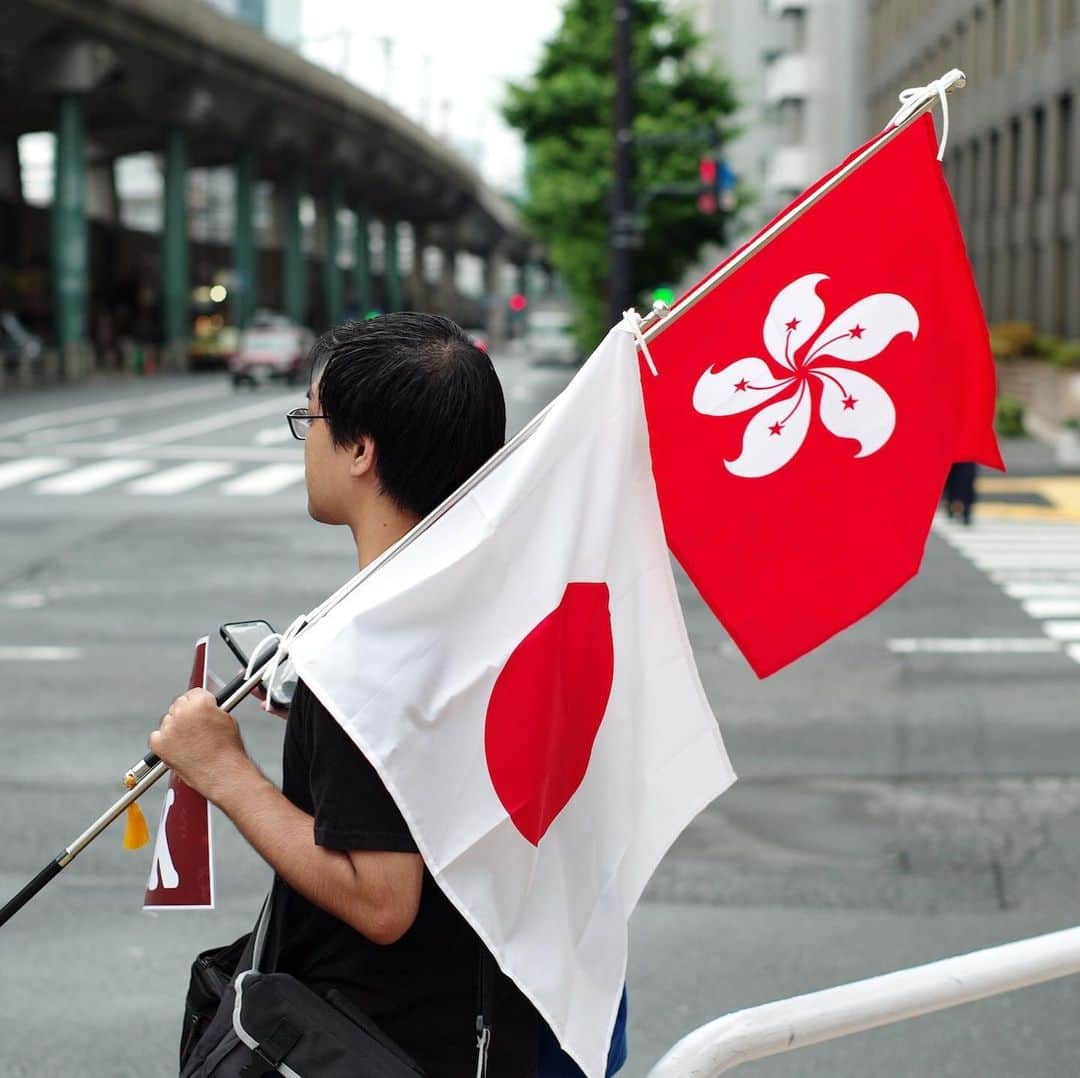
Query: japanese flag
[520,677]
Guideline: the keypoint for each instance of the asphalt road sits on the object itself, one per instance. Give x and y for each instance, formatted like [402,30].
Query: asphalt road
[909,791]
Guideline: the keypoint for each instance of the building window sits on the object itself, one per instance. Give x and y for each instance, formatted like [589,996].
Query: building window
[1013,194]
[1039,163]
[1065,176]
[994,186]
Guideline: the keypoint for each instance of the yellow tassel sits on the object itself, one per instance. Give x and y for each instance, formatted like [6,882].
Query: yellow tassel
[136,833]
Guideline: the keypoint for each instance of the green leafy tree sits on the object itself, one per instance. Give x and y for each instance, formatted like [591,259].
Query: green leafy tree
[566,117]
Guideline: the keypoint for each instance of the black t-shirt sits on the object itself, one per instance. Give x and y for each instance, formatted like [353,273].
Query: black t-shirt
[421,990]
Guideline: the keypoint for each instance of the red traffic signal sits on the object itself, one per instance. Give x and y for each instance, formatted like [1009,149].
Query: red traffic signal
[518,302]
[709,179]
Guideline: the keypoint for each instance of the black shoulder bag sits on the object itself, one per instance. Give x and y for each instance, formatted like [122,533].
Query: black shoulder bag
[243,1022]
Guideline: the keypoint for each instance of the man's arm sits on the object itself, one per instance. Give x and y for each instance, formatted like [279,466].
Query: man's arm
[377,893]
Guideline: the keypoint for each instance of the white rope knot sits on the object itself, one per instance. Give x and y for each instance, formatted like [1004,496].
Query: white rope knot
[281,653]
[631,322]
[914,96]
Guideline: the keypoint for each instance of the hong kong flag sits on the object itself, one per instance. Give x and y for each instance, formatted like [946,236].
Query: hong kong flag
[521,678]
[805,412]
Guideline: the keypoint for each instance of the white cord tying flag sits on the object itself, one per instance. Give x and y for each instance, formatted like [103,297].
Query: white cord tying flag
[914,96]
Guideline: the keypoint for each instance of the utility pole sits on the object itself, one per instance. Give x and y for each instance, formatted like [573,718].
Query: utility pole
[625,231]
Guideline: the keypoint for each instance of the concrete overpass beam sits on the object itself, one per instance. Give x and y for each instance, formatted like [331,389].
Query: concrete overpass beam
[294,285]
[245,290]
[332,284]
[362,263]
[69,241]
[175,277]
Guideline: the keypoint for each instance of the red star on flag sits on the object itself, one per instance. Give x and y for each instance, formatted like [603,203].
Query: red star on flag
[776,428]
[857,331]
[849,403]
[741,386]
[792,324]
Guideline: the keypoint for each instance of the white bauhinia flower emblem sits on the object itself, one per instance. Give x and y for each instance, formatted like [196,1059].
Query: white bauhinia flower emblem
[851,404]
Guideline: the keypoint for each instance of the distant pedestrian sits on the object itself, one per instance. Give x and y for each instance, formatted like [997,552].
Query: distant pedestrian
[960,491]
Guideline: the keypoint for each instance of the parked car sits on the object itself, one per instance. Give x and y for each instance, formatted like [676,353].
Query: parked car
[548,338]
[17,343]
[272,348]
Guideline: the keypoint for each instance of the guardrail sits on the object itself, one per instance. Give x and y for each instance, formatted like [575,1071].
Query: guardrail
[787,1024]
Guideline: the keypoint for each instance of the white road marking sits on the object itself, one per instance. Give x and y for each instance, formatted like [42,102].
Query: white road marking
[88,451]
[22,471]
[1043,591]
[78,430]
[1036,576]
[268,480]
[1052,608]
[273,435]
[92,477]
[1032,560]
[973,645]
[232,417]
[182,477]
[118,406]
[32,653]
[1036,563]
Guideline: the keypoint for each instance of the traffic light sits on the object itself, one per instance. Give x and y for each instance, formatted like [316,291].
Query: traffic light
[518,302]
[716,186]
[708,200]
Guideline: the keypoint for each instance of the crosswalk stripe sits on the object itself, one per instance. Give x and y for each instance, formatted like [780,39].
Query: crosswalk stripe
[973,645]
[273,435]
[1052,608]
[1043,591]
[268,480]
[182,478]
[22,471]
[1033,561]
[1036,564]
[92,477]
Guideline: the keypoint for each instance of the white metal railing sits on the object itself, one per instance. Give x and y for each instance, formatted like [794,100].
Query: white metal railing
[793,1023]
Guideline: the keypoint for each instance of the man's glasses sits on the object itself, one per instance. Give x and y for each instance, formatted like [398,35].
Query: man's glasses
[300,420]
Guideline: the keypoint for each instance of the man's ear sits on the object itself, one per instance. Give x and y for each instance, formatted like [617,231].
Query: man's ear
[363,457]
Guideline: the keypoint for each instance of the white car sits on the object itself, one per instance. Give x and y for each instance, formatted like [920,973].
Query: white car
[548,337]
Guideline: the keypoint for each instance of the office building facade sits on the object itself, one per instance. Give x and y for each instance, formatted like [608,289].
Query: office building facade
[1013,159]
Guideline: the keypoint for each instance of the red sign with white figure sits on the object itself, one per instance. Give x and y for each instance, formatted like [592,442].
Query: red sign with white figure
[182,871]
[806,411]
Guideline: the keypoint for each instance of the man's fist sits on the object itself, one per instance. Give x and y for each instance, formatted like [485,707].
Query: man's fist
[200,742]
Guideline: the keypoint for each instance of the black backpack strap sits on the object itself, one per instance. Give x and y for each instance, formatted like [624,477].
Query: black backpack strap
[272,1051]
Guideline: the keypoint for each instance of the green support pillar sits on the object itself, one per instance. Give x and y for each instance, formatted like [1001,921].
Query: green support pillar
[245,281]
[69,240]
[391,268]
[294,285]
[362,264]
[175,283]
[332,290]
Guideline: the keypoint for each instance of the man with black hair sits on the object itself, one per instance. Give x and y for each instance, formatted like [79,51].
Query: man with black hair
[402,409]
